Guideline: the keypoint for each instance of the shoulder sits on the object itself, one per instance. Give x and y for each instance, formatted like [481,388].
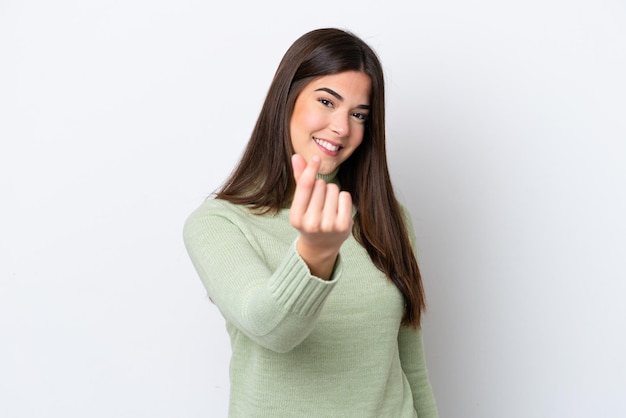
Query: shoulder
[220,213]
[213,212]
[217,207]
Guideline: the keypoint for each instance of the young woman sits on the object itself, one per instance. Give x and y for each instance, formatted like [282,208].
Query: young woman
[309,256]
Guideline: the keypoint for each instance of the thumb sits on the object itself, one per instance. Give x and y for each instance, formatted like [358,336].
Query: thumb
[298,164]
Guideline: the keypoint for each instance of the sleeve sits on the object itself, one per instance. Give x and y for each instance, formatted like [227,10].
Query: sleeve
[413,363]
[276,309]
[412,356]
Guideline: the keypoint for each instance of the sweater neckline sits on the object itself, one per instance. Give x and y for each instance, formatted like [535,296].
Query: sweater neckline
[330,177]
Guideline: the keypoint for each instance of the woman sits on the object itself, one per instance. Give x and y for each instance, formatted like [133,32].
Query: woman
[319,287]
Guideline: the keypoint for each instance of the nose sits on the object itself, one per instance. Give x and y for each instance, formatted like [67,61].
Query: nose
[341,124]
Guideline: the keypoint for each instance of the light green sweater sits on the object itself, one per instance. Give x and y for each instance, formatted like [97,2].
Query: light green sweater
[302,346]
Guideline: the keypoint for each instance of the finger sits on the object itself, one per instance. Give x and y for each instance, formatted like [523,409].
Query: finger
[304,174]
[344,211]
[305,213]
[310,171]
[298,163]
[329,212]
[305,184]
[316,206]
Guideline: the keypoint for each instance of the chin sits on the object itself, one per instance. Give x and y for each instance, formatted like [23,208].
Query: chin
[327,169]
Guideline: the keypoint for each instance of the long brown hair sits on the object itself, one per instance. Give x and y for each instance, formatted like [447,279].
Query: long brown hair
[263,179]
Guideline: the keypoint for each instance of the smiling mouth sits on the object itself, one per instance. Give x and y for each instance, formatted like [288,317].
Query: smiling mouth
[327,145]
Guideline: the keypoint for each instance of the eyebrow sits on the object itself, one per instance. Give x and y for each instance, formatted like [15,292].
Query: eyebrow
[339,97]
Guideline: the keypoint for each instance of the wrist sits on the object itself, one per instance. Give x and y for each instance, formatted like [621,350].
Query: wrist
[321,261]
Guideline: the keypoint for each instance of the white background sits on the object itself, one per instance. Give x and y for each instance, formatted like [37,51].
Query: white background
[507,141]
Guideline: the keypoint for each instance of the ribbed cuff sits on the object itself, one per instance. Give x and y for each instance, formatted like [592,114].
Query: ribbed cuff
[295,288]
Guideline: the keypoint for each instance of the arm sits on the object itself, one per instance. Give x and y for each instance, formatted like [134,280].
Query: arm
[322,215]
[276,309]
[412,355]
[414,366]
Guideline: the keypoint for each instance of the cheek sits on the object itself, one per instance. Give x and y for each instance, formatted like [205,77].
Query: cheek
[308,119]
[313,121]
[359,132]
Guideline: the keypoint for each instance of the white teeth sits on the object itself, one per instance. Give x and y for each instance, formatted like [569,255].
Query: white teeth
[326,144]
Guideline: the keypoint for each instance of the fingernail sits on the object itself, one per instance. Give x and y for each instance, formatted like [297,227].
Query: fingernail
[316,158]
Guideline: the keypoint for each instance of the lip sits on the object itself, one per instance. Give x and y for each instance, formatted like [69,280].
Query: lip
[332,153]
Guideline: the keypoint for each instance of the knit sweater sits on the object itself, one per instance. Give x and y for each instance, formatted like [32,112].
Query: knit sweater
[303,346]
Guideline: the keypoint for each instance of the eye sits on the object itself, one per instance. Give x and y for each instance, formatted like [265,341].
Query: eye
[360,116]
[325,102]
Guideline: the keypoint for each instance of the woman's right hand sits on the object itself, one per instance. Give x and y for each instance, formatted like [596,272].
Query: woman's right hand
[322,214]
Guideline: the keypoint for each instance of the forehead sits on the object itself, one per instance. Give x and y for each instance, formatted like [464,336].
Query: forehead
[354,85]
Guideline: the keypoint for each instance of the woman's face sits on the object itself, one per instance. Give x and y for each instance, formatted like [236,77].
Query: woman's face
[329,118]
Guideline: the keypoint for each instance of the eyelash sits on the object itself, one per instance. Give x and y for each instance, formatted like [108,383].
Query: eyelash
[329,103]
[360,116]
[326,102]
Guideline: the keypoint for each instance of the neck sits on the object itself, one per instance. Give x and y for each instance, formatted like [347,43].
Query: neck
[330,177]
